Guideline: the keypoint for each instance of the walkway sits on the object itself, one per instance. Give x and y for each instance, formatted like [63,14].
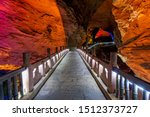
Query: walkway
[70,81]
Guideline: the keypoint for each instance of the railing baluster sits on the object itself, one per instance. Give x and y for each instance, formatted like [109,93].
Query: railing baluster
[15,88]
[9,89]
[1,91]
[134,92]
[121,88]
[127,90]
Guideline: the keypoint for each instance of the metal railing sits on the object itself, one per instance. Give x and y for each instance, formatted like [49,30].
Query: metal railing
[19,83]
[118,83]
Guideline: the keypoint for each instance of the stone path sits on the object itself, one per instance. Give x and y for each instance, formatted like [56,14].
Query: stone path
[70,81]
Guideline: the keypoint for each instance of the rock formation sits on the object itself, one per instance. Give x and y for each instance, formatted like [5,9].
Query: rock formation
[30,26]
[133,18]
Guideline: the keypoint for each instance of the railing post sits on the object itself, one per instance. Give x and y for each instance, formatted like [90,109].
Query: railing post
[127,90]
[26,59]
[1,91]
[117,86]
[26,63]
[56,53]
[91,61]
[49,55]
[21,85]
[15,87]
[61,49]
[134,92]
[121,88]
[56,50]
[94,51]
[59,54]
[113,63]
[9,89]
[49,52]
[144,95]
[98,74]
[44,68]
[86,50]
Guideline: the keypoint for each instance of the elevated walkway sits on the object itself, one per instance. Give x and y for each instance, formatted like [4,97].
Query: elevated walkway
[70,81]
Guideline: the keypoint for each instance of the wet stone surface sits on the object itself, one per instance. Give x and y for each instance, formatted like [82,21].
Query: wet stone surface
[70,81]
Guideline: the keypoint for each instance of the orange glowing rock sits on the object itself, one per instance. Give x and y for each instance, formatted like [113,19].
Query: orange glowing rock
[8,67]
[29,26]
[133,18]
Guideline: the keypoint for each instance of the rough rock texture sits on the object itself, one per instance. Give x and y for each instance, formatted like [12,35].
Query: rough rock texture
[95,13]
[30,26]
[133,18]
[70,23]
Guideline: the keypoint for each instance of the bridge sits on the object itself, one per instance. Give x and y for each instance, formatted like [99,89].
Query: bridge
[72,75]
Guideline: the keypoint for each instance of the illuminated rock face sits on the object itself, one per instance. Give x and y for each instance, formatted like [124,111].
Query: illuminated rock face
[28,26]
[133,18]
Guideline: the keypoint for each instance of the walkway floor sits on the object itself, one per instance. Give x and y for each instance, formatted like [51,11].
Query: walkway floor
[70,81]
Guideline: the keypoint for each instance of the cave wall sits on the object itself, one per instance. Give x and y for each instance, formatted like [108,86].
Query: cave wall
[83,9]
[29,26]
[133,18]
[97,13]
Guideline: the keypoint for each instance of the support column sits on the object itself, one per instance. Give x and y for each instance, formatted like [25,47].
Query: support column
[113,63]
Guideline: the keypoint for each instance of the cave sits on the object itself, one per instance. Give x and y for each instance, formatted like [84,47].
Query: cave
[33,26]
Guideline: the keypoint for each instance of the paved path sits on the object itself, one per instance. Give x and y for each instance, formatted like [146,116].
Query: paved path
[70,81]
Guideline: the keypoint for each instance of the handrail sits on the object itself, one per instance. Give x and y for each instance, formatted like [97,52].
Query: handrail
[12,73]
[119,83]
[133,79]
[20,82]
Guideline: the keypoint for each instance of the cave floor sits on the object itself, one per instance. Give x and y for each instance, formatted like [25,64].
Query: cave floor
[70,81]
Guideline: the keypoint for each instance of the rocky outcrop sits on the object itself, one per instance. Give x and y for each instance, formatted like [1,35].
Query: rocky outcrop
[133,18]
[30,26]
